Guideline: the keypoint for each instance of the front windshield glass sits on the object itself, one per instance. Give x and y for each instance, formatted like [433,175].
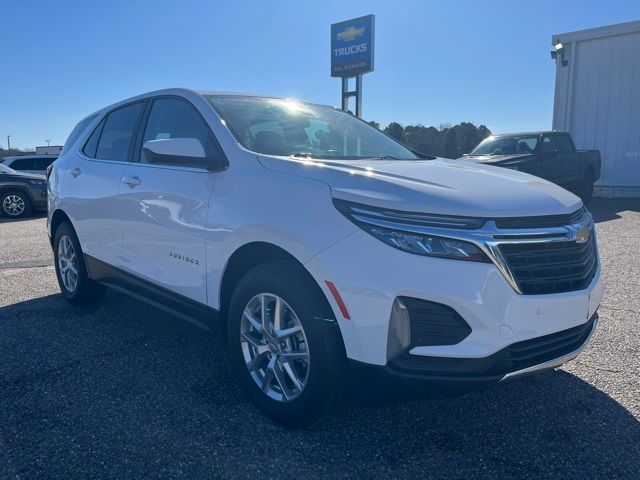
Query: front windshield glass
[5,169]
[506,145]
[286,127]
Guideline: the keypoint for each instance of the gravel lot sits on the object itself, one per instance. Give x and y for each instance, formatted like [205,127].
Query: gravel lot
[124,391]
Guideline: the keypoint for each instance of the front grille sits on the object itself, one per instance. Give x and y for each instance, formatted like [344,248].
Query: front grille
[553,267]
[547,221]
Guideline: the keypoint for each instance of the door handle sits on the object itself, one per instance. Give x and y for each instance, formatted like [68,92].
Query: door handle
[75,172]
[132,182]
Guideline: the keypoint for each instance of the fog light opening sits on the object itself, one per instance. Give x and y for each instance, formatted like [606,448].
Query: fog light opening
[399,337]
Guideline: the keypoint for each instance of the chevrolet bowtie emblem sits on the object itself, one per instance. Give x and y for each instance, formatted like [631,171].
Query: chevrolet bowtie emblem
[582,235]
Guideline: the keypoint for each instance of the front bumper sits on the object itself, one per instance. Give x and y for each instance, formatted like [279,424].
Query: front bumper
[409,372]
[369,275]
[39,198]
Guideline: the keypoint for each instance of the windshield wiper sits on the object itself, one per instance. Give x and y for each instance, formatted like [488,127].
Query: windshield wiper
[305,155]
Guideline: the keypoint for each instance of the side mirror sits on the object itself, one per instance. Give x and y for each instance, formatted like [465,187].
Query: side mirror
[187,152]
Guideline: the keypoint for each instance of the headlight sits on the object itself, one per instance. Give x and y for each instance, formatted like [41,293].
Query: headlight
[41,183]
[394,229]
[429,245]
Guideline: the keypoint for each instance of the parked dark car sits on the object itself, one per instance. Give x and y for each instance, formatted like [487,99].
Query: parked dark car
[21,193]
[549,155]
[29,163]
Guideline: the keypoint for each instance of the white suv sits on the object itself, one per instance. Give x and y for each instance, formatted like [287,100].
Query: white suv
[320,247]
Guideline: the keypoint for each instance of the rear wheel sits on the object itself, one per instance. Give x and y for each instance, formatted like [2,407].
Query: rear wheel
[15,204]
[71,271]
[285,347]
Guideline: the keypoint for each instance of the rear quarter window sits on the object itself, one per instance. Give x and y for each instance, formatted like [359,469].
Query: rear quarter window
[118,132]
[76,132]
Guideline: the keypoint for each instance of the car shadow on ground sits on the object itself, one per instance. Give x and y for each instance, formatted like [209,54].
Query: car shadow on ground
[33,216]
[125,390]
[606,209]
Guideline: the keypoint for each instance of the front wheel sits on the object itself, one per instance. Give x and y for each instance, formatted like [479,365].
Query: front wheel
[285,346]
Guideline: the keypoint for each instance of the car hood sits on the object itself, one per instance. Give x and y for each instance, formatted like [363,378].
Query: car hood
[497,159]
[448,187]
[21,176]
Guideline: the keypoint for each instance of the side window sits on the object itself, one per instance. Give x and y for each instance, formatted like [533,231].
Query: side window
[76,132]
[174,118]
[43,163]
[23,164]
[549,145]
[564,144]
[117,133]
[92,142]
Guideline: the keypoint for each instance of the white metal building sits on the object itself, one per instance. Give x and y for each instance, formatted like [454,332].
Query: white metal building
[597,100]
[49,150]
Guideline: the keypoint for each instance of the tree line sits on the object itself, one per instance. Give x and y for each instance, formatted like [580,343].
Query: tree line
[15,151]
[445,141]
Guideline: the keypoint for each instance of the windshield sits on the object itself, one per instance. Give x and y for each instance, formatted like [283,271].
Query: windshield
[506,145]
[5,169]
[286,127]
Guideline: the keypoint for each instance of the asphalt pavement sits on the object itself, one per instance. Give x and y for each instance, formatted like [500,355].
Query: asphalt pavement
[122,390]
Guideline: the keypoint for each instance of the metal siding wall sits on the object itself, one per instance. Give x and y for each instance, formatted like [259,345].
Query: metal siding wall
[597,99]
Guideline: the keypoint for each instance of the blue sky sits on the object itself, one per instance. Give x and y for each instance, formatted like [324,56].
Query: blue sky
[436,62]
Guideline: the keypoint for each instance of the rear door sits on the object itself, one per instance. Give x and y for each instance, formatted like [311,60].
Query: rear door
[92,178]
[164,207]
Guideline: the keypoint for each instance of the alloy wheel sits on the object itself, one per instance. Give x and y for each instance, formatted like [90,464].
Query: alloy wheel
[13,205]
[67,264]
[274,347]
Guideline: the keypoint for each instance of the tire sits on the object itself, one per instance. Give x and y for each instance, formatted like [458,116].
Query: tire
[586,191]
[77,288]
[15,204]
[320,374]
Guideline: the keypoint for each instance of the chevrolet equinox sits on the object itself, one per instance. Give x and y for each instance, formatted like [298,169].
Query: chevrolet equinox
[319,247]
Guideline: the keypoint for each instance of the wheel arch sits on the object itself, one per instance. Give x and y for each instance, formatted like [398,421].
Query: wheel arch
[18,187]
[57,218]
[249,256]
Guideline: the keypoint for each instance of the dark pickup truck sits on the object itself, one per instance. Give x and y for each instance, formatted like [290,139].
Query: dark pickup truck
[549,155]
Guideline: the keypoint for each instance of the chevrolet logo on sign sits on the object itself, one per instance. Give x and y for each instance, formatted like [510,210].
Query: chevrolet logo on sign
[582,236]
[350,34]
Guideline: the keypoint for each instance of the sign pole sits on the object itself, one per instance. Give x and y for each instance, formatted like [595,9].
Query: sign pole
[345,93]
[359,96]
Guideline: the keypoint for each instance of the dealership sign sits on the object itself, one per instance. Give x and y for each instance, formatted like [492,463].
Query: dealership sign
[352,47]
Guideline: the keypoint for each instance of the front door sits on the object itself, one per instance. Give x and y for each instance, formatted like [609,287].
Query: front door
[549,165]
[164,207]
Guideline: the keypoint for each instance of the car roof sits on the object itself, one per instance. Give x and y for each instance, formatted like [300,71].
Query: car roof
[523,134]
[182,92]
[16,157]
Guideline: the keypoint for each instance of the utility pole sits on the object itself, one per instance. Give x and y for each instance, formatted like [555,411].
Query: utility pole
[9,144]
[48,142]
